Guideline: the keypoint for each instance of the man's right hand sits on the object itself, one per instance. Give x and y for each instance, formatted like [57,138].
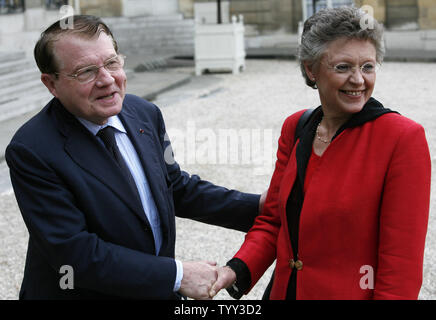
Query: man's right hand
[198,278]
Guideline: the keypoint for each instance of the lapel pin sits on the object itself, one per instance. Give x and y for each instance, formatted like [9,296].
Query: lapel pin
[141,130]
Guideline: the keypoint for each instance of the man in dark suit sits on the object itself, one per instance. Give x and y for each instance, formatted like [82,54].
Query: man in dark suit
[96,184]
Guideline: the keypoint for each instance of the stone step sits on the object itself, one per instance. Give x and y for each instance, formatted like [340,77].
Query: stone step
[9,67]
[160,17]
[112,21]
[139,42]
[161,32]
[180,52]
[162,20]
[154,34]
[163,49]
[153,29]
[14,78]
[6,56]
[22,89]
[153,43]
[149,24]
[154,25]
[24,104]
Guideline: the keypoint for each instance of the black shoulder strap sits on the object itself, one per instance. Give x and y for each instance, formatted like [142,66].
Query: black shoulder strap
[304,119]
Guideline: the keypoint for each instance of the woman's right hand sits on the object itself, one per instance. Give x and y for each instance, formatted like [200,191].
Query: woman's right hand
[226,278]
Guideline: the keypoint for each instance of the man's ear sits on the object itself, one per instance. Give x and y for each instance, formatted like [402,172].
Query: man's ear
[49,81]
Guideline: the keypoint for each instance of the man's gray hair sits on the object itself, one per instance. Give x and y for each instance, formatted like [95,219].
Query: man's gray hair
[328,25]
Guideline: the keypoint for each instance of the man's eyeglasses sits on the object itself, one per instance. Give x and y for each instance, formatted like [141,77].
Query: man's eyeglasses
[348,69]
[89,73]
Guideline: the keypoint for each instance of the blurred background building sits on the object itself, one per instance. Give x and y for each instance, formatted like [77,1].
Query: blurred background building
[154,31]
[260,16]
[275,14]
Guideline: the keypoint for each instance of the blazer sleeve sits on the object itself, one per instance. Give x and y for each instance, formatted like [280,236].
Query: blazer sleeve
[259,248]
[203,201]
[58,229]
[404,218]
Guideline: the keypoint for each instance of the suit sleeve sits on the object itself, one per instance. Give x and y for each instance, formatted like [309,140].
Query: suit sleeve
[58,229]
[203,201]
[259,248]
[404,218]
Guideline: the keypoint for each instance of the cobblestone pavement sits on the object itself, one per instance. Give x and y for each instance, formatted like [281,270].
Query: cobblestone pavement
[254,105]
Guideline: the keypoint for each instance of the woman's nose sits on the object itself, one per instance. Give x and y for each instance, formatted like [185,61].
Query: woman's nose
[357,77]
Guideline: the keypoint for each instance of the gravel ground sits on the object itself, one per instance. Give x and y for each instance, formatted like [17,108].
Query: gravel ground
[254,105]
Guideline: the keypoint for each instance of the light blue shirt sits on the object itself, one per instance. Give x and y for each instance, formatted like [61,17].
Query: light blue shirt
[131,158]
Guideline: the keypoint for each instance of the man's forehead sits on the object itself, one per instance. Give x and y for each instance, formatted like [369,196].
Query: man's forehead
[76,51]
[82,42]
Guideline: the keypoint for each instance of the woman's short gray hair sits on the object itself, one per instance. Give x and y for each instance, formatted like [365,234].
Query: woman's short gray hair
[328,25]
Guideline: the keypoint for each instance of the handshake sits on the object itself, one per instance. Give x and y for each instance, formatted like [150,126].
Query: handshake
[203,280]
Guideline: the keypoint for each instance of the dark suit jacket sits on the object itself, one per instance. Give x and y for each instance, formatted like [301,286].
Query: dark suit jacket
[78,210]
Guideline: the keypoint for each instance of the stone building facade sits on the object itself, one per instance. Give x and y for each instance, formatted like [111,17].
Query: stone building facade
[264,15]
[404,14]
[285,14]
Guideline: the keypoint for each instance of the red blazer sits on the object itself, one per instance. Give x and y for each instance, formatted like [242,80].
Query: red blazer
[364,218]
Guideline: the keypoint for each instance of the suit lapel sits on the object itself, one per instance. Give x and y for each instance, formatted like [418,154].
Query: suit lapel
[84,148]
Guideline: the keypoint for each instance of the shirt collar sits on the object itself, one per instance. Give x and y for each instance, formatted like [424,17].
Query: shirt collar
[113,121]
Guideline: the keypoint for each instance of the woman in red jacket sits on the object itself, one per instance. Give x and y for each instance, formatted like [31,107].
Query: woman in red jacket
[347,208]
